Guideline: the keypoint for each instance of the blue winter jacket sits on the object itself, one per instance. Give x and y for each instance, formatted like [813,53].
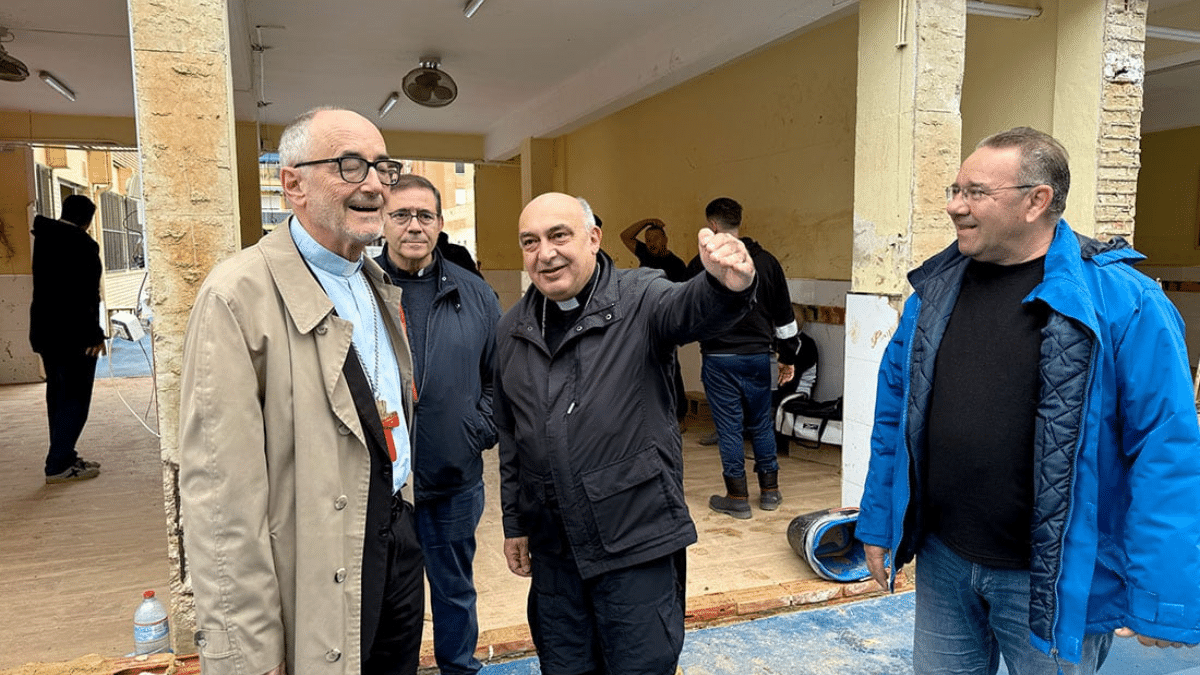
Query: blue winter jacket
[1116,523]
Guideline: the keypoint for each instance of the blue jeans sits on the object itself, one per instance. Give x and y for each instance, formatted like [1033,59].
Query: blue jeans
[733,384]
[968,615]
[446,528]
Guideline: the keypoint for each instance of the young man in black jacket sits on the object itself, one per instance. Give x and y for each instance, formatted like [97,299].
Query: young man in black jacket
[64,328]
[736,372]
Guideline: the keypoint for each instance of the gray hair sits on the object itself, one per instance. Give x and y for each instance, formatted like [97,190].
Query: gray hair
[589,218]
[1044,161]
[295,140]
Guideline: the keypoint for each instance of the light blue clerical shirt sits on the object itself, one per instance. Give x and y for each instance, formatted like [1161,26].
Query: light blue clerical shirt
[347,287]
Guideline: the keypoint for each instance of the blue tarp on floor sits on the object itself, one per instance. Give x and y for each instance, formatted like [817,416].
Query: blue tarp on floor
[125,359]
[872,637]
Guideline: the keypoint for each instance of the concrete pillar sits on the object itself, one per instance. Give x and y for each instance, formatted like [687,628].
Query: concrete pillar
[1098,110]
[907,139]
[537,168]
[184,96]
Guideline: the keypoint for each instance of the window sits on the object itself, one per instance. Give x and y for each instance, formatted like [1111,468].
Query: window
[460,167]
[122,232]
[460,196]
[45,192]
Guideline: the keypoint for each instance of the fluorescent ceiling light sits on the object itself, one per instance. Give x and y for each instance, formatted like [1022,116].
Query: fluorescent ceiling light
[1176,34]
[472,7]
[56,84]
[1002,11]
[389,104]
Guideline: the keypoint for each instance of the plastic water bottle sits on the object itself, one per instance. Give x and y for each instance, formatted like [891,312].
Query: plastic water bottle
[151,633]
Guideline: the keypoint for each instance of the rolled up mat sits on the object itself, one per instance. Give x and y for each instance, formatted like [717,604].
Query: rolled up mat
[825,539]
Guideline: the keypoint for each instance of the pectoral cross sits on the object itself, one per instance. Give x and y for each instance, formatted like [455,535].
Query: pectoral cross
[390,421]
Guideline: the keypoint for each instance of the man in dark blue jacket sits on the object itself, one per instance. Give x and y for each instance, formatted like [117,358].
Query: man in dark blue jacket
[1035,441]
[64,328]
[451,319]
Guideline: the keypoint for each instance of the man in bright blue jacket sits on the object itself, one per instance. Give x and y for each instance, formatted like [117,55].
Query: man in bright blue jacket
[1036,443]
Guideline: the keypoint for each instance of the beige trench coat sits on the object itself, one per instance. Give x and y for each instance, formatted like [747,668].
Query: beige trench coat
[274,466]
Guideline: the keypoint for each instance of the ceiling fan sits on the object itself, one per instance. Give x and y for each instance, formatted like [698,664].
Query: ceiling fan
[11,68]
[428,86]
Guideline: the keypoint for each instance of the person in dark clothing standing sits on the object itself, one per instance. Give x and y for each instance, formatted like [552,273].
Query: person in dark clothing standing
[736,372]
[591,474]
[654,252]
[452,332]
[64,328]
[655,255]
[459,255]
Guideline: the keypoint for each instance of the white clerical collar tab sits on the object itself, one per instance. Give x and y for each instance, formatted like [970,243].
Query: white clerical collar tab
[568,304]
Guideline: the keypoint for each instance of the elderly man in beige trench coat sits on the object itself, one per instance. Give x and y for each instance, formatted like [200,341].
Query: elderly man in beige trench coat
[296,392]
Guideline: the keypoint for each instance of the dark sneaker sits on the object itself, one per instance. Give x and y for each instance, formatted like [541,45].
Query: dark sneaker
[89,463]
[78,471]
[710,439]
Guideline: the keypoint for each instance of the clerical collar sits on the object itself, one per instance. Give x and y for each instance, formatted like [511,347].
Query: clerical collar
[396,270]
[320,257]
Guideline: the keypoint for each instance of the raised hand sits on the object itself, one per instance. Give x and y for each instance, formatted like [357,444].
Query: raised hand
[725,257]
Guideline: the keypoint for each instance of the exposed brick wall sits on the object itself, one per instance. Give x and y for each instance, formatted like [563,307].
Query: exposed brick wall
[1119,141]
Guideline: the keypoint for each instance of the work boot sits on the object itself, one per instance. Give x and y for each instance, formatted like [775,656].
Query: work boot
[736,501]
[768,484]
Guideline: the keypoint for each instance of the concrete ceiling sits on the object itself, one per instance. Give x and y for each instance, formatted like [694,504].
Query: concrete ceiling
[523,67]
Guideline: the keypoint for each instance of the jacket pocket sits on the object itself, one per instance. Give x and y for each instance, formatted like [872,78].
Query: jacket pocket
[628,501]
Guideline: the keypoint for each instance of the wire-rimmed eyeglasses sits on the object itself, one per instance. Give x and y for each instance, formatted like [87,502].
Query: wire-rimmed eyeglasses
[354,169]
[404,217]
[974,193]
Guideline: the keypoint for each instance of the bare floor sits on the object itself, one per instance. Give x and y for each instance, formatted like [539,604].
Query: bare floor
[75,558]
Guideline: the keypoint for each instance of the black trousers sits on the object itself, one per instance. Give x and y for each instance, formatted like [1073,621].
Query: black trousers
[627,621]
[70,376]
[395,645]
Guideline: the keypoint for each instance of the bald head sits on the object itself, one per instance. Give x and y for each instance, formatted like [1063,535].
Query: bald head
[559,242]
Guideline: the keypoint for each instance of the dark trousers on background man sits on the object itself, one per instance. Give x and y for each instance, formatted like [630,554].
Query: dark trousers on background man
[70,376]
[446,528]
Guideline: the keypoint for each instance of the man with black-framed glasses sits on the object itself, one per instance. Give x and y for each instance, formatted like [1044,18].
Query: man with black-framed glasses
[451,321]
[1035,445]
[295,430]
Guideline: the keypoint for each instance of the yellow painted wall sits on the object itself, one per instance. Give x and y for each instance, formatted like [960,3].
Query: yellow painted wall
[1168,199]
[1008,79]
[774,131]
[497,208]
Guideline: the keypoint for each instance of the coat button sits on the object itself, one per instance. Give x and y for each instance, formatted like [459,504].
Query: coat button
[340,575]
[608,316]
[200,640]
[578,328]
[343,430]
[340,502]
[528,328]
[322,329]
[333,655]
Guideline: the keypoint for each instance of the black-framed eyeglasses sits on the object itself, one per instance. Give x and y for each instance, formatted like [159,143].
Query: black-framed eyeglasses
[974,193]
[354,169]
[403,217]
